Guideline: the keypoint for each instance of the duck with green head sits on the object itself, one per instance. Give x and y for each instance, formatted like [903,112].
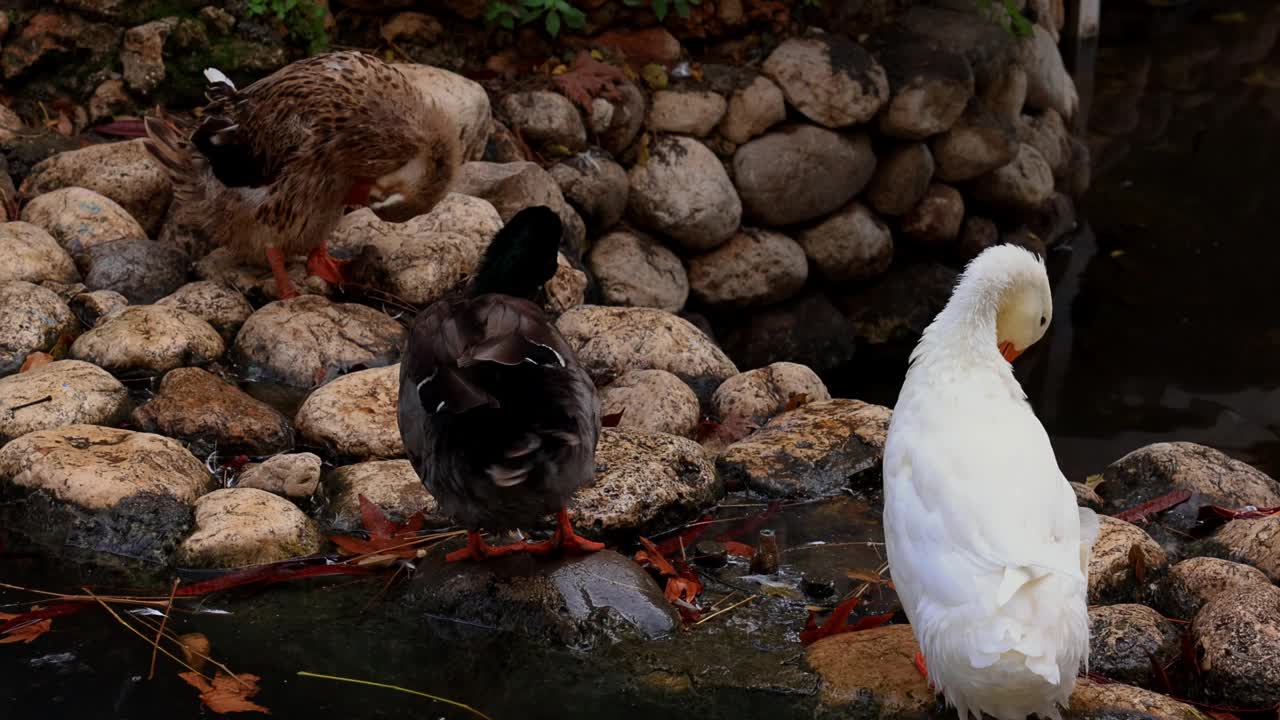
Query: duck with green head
[498,417]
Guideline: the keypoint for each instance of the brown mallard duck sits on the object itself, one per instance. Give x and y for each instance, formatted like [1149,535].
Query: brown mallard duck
[498,417]
[271,168]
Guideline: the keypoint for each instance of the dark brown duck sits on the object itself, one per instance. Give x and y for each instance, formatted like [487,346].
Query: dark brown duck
[498,417]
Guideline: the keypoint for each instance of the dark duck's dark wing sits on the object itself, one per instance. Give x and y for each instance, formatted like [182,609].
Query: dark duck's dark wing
[498,417]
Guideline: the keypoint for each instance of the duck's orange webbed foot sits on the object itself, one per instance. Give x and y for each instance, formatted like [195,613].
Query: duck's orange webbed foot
[284,285]
[478,549]
[920,665]
[324,266]
[566,540]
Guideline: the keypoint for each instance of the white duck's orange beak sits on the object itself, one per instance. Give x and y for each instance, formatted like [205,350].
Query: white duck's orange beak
[1009,352]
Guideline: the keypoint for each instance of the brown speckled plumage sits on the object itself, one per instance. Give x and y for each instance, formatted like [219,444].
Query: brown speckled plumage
[272,165]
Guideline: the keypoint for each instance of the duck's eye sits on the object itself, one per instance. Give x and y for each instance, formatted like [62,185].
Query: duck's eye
[1042,321]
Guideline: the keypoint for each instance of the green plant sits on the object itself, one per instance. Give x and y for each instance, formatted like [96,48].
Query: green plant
[304,18]
[1012,18]
[553,12]
[660,7]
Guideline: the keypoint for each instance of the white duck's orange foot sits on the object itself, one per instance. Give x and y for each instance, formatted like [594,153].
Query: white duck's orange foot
[922,668]
[324,266]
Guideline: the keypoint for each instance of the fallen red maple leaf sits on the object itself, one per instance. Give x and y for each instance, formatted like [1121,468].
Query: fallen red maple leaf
[124,127]
[1169,500]
[15,625]
[739,549]
[684,587]
[795,400]
[588,78]
[24,633]
[267,574]
[686,538]
[653,557]
[837,622]
[227,693]
[386,537]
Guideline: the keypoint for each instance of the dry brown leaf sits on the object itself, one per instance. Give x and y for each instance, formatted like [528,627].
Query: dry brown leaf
[1138,560]
[35,360]
[1093,481]
[227,693]
[195,650]
[27,633]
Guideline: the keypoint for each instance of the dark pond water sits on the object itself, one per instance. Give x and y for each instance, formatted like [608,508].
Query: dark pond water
[1165,329]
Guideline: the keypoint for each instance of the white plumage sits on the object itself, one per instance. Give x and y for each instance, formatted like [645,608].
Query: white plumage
[987,548]
[214,75]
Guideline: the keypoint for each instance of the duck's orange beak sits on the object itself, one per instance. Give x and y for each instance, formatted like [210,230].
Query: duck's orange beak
[1009,352]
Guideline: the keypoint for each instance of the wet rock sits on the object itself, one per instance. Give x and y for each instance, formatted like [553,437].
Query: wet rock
[546,118]
[625,117]
[240,527]
[91,307]
[392,485]
[1124,639]
[96,468]
[935,220]
[760,394]
[644,481]
[1195,581]
[687,112]
[634,270]
[901,179]
[596,186]
[142,54]
[609,341]
[979,143]
[308,340]
[1157,469]
[850,246]
[929,86]
[812,451]
[800,173]
[512,187]
[197,407]
[463,100]
[32,255]
[1049,86]
[220,306]
[1235,637]
[1114,565]
[139,269]
[807,329]
[1026,183]
[1048,134]
[294,475]
[148,339]
[355,415]
[109,99]
[79,219]
[123,172]
[684,193]
[64,392]
[1117,701]
[896,310]
[424,258]
[752,110]
[756,267]
[870,674]
[977,234]
[651,401]
[578,601]
[829,78]
[32,319]
[1006,93]
[1252,541]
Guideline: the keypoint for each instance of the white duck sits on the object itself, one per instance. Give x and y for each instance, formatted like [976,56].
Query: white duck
[987,548]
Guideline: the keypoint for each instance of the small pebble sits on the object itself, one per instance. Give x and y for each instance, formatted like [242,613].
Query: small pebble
[818,586]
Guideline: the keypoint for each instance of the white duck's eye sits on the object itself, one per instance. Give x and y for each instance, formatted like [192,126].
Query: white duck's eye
[1042,321]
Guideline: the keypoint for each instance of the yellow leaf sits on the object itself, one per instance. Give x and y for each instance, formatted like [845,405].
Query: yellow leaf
[560,69]
[1230,18]
[1117,253]
[654,76]
[597,54]
[1093,481]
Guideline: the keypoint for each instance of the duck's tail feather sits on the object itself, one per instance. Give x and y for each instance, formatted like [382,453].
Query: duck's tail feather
[185,167]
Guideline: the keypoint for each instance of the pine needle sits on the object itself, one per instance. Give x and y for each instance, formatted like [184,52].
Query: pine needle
[155,646]
[137,632]
[468,708]
[718,613]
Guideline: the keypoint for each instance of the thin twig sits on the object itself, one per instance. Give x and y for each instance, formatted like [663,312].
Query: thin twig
[153,600]
[468,708]
[178,641]
[135,631]
[33,403]
[155,647]
[867,543]
[726,597]
[718,613]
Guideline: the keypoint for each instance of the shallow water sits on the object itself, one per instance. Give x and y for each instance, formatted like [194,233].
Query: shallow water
[1164,330]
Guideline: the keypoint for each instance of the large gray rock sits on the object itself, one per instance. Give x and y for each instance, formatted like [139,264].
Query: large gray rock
[651,401]
[392,485]
[1235,636]
[979,143]
[1026,183]
[1195,581]
[799,173]
[901,179]
[1049,85]
[871,668]
[812,451]
[220,306]
[930,88]
[141,270]
[354,416]
[293,475]
[32,319]
[546,118]
[1255,541]
[752,110]
[197,407]
[1124,561]
[689,112]
[1117,700]
[756,267]
[758,395]
[64,392]
[684,193]
[644,482]
[935,221]
[1126,640]
[308,340]
[609,341]
[241,527]
[632,269]
[1154,470]
[122,171]
[512,187]
[148,339]
[850,246]
[79,219]
[32,255]
[829,78]
[596,186]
